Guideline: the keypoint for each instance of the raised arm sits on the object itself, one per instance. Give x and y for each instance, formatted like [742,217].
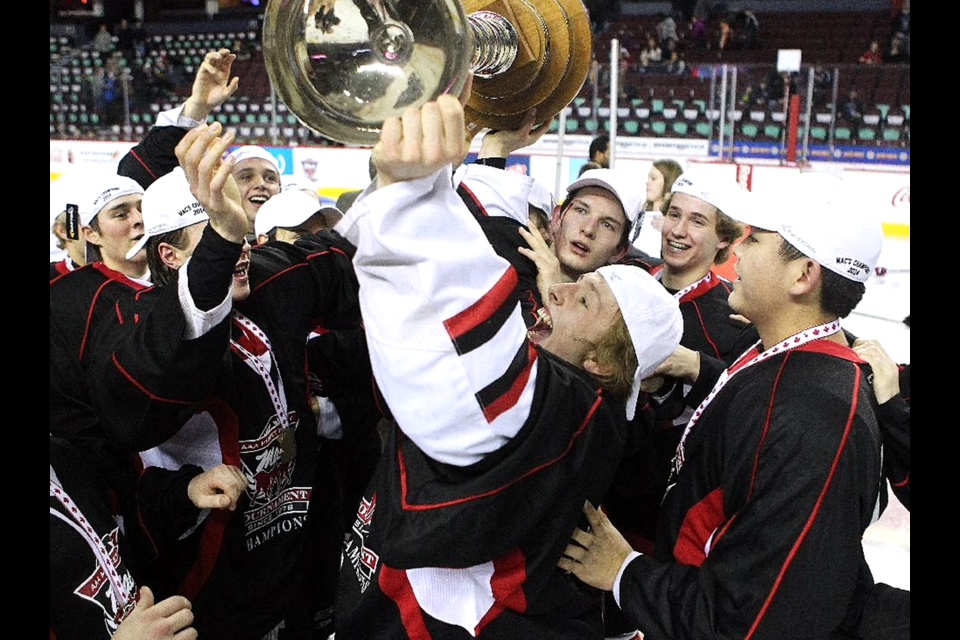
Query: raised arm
[154,156]
[447,343]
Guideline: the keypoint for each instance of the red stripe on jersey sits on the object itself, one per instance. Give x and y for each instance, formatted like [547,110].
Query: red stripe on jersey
[698,525]
[396,586]
[706,332]
[144,390]
[474,204]
[510,398]
[823,491]
[439,505]
[86,328]
[482,309]
[509,574]
[133,154]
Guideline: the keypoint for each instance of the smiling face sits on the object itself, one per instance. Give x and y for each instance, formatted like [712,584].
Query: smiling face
[581,313]
[690,242]
[175,257]
[590,232]
[258,181]
[119,225]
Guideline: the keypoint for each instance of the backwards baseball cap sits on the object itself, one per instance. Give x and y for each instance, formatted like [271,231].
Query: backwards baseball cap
[253,151]
[289,209]
[652,316]
[103,189]
[725,195]
[542,198]
[168,205]
[625,187]
[820,216]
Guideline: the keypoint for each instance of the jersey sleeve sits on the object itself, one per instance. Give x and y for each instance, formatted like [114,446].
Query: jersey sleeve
[447,342]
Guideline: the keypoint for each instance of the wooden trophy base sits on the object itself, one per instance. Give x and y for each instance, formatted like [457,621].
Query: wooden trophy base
[554,52]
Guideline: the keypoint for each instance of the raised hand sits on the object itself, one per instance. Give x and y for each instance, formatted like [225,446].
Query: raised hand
[217,488]
[168,619]
[420,142]
[548,266]
[212,85]
[200,153]
[501,143]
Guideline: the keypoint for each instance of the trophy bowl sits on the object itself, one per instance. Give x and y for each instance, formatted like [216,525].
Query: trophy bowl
[342,67]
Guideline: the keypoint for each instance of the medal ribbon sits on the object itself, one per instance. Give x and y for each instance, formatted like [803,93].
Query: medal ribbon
[276,394]
[125,601]
[751,357]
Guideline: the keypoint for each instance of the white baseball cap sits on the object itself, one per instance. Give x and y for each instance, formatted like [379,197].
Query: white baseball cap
[168,205]
[288,209]
[249,151]
[725,195]
[299,182]
[630,191]
[541,197]
[817,213]
[103,189]
[652,316]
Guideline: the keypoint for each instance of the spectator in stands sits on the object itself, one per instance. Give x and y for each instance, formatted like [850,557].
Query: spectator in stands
[822,85]
[698,31]
[852,107]
[676,65]
[725,40]
[896,52]
[103,40]
[238,48]
[159,81]
[139,39]
[651,54]
[666,29]
[599,151]
[113,91]
[900,25]
[872,55]
[125,41]
[748,29]
[93,86]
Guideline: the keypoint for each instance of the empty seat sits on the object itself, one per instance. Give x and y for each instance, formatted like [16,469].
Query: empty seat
[749,129]
[866,135]
[891,134]
[896,116]
[772,131]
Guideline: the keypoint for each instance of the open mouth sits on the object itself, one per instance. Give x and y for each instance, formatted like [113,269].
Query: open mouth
[240,271]
[543,326]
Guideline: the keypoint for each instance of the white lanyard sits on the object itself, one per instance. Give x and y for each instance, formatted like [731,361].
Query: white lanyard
[125,601]
[745,361]
[263,366]
[690,287]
